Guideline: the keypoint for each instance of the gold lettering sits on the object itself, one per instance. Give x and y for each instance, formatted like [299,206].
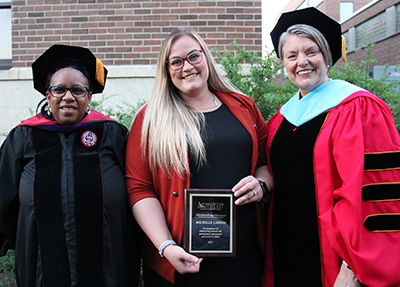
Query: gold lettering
[210,205]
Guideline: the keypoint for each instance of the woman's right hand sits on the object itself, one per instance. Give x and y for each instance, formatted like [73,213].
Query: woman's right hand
[151,218]
[182,261]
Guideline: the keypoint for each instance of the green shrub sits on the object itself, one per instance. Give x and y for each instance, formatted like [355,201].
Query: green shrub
[7,262]
[7,267]
[122,114]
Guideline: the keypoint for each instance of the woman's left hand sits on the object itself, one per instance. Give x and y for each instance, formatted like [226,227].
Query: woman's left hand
[248,190]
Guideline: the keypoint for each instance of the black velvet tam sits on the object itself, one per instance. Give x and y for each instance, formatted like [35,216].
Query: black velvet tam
[313,17]
[61,56]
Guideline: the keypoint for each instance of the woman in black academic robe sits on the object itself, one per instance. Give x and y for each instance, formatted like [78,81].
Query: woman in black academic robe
[63,204]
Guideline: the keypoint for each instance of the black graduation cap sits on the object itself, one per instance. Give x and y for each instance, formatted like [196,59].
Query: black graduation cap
[315,18]
[61,56]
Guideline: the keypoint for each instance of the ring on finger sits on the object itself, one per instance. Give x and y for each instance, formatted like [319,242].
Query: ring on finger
[255,192]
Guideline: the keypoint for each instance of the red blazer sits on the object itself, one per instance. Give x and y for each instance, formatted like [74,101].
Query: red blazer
[142,183]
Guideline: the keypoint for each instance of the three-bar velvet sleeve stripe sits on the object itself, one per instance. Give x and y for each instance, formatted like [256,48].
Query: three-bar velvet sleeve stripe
[382,192]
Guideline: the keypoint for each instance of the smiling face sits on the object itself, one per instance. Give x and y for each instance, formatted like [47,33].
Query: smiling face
[304,63]
[191,80]
[68,110]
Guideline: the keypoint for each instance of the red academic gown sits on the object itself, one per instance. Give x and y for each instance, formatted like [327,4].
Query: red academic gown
[355,168]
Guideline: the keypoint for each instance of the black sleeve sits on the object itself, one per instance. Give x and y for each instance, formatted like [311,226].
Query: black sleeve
[117,135]
[11,165]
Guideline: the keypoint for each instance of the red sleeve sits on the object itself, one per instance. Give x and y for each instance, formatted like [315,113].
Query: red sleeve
[363,221]
[139,179]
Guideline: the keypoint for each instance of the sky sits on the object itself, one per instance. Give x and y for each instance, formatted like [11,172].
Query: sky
[270,10]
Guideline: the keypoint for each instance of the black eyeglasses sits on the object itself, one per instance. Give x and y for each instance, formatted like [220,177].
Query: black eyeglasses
[193,58]
[77,91]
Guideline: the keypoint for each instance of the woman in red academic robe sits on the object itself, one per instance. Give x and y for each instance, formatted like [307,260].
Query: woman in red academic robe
[334,154]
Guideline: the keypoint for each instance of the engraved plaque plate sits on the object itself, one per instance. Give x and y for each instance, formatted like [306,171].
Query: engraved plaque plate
[210,222]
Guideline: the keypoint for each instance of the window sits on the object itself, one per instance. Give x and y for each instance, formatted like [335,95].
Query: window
[5,35]
[346,10]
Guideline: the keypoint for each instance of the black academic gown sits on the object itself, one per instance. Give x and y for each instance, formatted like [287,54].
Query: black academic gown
[63,204]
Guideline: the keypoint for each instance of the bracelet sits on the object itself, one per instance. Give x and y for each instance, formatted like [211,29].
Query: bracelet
[164,245]
[264,188]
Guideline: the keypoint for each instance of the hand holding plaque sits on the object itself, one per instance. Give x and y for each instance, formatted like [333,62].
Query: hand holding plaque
[210,222]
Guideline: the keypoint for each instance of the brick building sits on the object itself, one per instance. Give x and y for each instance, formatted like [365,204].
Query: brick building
[378,23]
[338,10]
[128,32]
[342,9]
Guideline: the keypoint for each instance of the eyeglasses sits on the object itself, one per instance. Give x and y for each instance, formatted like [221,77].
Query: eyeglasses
[193,58]
[77,91]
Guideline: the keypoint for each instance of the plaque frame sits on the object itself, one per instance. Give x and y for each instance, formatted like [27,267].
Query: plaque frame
[220,235]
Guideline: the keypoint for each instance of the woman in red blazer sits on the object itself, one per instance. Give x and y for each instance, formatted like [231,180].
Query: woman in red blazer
[196,131]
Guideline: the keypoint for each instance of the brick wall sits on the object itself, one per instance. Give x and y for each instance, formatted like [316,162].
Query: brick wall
[375,9]
[123,32]
[329,7]
[385,51]
[332,7]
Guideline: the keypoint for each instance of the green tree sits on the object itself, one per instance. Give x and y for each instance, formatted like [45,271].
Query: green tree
[262,82]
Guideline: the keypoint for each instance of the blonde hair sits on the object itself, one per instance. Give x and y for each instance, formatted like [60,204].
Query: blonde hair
[171,127]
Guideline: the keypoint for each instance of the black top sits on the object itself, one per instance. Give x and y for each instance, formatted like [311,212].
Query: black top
[229,149]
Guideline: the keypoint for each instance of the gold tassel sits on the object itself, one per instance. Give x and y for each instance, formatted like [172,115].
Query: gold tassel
[99,72]
[344,50]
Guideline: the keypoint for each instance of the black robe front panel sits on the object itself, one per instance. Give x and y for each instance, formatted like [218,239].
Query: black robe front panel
[296,249]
